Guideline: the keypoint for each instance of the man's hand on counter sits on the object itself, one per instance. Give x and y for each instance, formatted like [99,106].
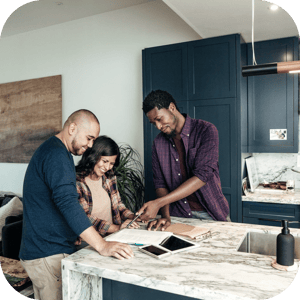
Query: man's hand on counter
[117,250]
[163,222]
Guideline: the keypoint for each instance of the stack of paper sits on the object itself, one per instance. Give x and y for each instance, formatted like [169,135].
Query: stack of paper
[135,236]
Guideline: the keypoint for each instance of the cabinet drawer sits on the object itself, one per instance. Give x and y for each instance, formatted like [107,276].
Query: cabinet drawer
[271,211]
[260,221]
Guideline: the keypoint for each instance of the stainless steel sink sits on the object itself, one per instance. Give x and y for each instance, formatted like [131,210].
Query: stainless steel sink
[263,242]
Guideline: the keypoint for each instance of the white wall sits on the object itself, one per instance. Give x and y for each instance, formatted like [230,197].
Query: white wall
[100,60]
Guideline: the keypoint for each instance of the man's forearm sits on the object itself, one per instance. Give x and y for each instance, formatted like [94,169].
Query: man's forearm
[93,238]
[184,190]
[164,211]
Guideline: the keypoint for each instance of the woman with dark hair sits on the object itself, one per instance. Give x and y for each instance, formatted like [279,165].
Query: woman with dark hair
[97,187]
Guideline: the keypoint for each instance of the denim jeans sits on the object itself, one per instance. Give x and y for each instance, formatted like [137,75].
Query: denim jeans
[202,215]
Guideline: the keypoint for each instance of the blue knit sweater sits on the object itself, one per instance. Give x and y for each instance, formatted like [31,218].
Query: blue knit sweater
[52,217]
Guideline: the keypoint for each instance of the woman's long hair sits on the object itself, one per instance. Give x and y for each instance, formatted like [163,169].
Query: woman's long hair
[103,146]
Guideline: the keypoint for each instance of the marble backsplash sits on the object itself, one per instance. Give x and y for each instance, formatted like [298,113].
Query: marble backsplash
[275,166]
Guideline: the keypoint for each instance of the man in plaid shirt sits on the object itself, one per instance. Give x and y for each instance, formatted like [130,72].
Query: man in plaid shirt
[185,165]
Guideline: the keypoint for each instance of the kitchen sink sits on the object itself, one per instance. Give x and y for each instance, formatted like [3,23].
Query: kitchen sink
[263,242]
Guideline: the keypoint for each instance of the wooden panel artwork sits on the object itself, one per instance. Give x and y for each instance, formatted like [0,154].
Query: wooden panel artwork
[30,112]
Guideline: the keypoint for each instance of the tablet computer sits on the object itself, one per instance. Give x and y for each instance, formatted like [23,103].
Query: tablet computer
[176,244]
[155,251]
[170,245]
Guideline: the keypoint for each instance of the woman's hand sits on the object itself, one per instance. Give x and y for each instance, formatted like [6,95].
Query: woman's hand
[133,225]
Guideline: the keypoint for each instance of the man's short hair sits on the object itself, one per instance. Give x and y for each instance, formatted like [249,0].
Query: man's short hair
[159,99]
[81,113]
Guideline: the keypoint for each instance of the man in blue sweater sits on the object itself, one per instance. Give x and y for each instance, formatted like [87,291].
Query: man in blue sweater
[53,217]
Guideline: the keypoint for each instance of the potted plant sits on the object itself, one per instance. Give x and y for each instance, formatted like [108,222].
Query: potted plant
[130,178]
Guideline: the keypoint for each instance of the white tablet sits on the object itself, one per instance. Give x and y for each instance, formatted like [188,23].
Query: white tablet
[176,244]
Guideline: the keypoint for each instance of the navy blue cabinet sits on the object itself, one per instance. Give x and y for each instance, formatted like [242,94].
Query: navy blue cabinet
[212,68]
[115,290]
[273,99]
[165,68]
[205,79]
[262,213]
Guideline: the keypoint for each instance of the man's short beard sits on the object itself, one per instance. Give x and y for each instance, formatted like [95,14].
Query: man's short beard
[170,135]
[75,146]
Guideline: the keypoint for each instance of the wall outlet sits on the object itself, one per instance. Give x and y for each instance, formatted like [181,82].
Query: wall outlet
[298,160]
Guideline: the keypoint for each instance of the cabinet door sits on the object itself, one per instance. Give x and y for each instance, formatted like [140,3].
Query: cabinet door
[165,68]
[221,113]
[212,68]
[273,99]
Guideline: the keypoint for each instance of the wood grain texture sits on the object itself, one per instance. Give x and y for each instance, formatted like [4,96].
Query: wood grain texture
[30,112]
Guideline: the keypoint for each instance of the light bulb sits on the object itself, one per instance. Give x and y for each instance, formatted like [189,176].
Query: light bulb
[273,7]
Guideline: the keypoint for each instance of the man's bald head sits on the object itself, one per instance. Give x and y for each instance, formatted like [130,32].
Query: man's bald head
[79,131]
[81,117]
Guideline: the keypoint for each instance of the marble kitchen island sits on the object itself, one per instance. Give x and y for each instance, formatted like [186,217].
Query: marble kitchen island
[215,270]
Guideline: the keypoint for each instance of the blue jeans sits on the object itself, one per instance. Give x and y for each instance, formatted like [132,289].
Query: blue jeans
[202,215]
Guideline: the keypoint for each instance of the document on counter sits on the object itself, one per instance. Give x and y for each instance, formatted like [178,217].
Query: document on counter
[193,232]
[136,236]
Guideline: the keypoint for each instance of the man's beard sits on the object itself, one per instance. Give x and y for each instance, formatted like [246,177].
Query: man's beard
[170,135]
[76,148]
[173,132]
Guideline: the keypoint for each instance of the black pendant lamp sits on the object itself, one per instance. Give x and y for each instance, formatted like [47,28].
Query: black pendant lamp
[272,68]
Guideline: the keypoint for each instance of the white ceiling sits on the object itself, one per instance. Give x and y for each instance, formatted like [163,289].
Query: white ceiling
[211,18]
[208,18]
[44,13]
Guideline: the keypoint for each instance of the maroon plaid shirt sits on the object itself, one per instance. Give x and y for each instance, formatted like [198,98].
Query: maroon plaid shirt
[201,143]
[119,210]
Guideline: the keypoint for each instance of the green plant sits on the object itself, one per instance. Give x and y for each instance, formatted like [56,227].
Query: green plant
[130,178]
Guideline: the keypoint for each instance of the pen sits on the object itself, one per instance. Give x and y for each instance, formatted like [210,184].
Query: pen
[132,220]
[135,244]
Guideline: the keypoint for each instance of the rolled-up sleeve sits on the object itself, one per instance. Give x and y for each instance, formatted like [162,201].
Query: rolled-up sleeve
[158,177]
[207,154]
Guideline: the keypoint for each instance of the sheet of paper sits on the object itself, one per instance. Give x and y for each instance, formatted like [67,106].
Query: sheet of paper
[136,236]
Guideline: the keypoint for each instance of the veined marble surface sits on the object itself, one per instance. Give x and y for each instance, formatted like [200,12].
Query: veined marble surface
[213,271]
[273,197]
[273,167]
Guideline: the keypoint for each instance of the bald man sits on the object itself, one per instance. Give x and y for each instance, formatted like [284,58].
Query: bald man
[53,217]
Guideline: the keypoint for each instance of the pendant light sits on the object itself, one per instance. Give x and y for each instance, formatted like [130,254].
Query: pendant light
[272,68]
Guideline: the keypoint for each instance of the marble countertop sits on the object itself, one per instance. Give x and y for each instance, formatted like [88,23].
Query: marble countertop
[273,197]
[213,271]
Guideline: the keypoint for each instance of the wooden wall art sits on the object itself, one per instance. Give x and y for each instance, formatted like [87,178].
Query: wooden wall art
[30,112]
